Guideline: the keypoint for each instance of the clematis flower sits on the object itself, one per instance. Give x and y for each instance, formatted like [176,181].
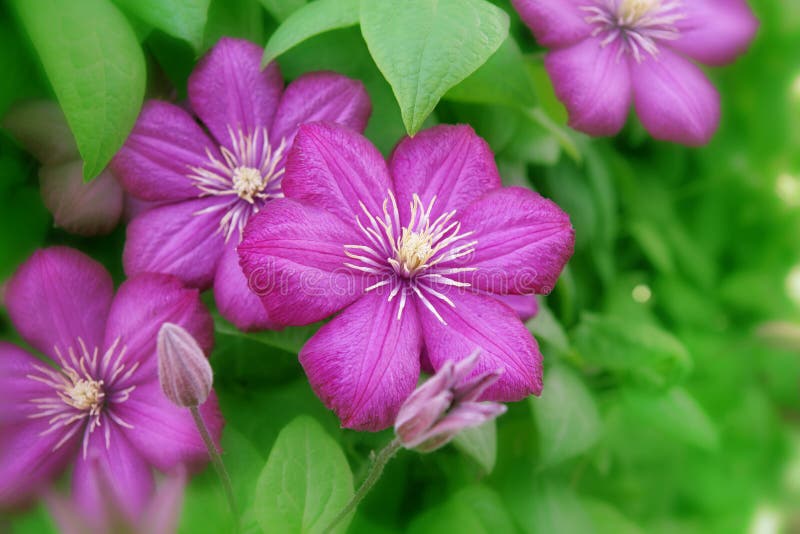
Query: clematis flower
[607,54]
[412,254]
[82,208]
[213,177]
[445,405]
[95,395]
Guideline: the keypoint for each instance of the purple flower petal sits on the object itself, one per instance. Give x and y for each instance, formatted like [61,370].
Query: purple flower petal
[450,162]
[228,89]
[335,168]
[58,296]
[526,306]
[112,470]
[715,32]
[177,239]
[475,322]
[27,458]
[365,362]
[321,96]
[294,258]
[157,158]
[88,209]
[555,23]
[142,305]
[674,99]
[164,434]
[463,416]
[524,241]
[234,298]
[594,83]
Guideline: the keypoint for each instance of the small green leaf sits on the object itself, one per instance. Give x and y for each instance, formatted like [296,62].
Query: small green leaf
[315,18]
[480,443]
[566,416]
[475,509]
[552,508]
[503,79]
[651,355]
[96,67]
[184,19]
[608,520]
[281,9]
[425,47]
[546,327]
[291,339]
[234,18]
[305,483]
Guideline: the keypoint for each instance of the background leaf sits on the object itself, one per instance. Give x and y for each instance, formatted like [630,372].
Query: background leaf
[480,443]
[96,67]
[425,47]
[184,19]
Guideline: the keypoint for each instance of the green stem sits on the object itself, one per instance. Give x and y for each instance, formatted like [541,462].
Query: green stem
[216,460]
[374,474]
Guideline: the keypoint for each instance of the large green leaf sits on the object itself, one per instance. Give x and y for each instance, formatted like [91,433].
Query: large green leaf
[184,19]
[315,18]
[566,416]
[96,67]
[475,509]
[480,443]
[425,47]
[281,9]
[305,482]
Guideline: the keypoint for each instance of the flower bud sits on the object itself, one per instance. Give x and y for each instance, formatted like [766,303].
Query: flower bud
[183,369]
[445,405]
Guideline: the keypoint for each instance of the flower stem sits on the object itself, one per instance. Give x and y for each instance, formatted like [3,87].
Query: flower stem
[374,474]
[216,460]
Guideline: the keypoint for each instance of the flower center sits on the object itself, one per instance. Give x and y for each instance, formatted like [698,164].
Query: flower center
[635,26]
[84,394]
[249,174]
[414,258]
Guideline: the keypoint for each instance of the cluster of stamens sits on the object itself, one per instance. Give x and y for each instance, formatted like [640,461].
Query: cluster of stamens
[79,394]
[638,25]
[411,258]
[248,173]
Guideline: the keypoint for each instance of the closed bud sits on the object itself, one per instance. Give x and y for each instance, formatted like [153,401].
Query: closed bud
[445,405]
[183,369]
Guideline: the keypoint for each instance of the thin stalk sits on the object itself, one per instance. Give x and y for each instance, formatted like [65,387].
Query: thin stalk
[373,476]
[216,460]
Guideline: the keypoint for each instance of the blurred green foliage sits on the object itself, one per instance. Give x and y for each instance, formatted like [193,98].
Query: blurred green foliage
[668,405]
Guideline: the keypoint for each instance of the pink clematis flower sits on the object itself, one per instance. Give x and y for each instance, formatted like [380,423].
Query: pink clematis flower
[413,254]
[95,397]
[213,177]
[608,53]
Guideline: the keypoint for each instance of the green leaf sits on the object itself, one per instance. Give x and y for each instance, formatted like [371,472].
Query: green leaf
[480,443]
[552,508]
[566,416]
[425,47]
[305,483]
[291,339]
[475,509]
[642,350]
[184,19]
[315,18]
[503,79]
[545,326]
[234,18]
[609,520]
[93,61]
[281,9]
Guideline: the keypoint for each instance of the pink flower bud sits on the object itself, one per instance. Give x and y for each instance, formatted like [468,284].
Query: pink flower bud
[183,369]
[445,405]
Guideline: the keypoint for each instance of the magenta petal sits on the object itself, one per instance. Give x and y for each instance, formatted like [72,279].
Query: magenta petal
[57,296]
[157,158]
[526,306]
[84,208]
[228,89]
[555,23]
[142,305]
[235,301]
[112,471]
[480,321]
[365,362]
[163,433]
[449,162]
[16,387]
[593,82]
[321,96]
[524,241]
[714,32]
[294,258]
[177,239]
[335,168]
[674,99]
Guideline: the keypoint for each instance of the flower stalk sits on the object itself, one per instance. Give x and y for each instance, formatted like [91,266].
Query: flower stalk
[216,460]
